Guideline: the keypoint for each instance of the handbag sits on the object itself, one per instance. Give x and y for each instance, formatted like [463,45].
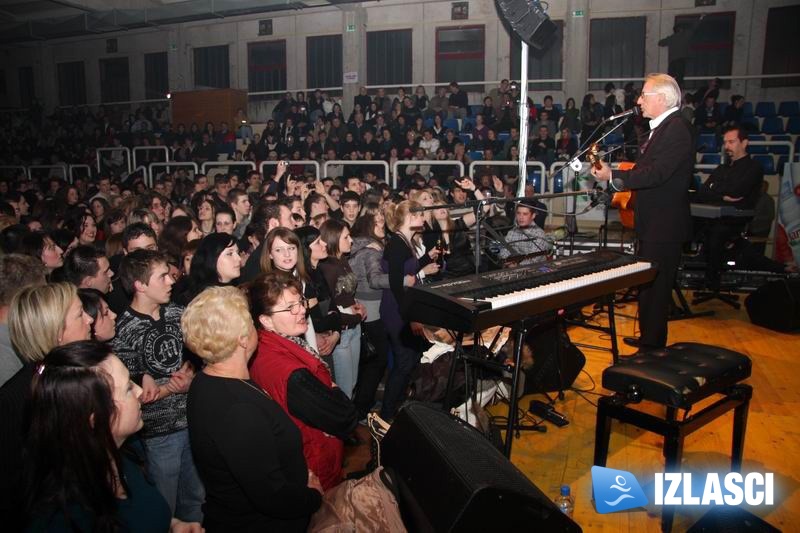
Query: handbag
[368,350]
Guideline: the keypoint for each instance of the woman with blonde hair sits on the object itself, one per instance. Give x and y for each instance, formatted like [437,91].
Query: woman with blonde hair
[40,318]
[402,257]
[248,452]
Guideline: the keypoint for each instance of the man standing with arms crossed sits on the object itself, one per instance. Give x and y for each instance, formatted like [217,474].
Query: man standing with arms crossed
[662,216]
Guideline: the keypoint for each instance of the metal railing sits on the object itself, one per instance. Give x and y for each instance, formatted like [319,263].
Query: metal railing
[168,165]
[528,164]
[62,168]
[306,162]
[210,164]
[137,149]
[423,163]
[20,167]
[344,162]
[71,174]
[124,149]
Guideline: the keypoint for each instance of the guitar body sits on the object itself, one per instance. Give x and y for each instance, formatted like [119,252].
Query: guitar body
[624,200]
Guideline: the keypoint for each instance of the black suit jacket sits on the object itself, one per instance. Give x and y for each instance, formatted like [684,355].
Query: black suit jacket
[661,179]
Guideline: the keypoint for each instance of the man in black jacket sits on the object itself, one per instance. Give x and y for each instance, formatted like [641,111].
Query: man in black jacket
[661,180]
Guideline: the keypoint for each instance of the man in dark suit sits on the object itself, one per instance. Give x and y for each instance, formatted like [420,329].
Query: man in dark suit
[661,180]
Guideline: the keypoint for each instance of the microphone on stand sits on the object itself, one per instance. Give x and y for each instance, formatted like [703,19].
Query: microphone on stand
[632,111]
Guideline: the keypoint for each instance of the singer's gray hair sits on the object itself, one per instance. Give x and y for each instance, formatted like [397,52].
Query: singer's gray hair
[666,85]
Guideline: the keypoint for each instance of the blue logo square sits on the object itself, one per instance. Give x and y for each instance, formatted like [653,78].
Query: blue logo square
[615,490]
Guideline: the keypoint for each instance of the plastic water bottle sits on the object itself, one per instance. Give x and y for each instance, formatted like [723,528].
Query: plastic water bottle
[565,501]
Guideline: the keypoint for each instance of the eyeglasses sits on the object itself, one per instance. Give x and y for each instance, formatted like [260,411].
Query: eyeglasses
[294,308]
[286,250]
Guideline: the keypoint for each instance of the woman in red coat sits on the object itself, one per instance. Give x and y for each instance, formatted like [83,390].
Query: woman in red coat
[293,373]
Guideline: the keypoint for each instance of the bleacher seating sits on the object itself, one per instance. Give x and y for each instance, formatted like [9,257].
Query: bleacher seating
[475,155]
[503,136]
[614,139]
[789,109]
[747,109]
[468,124]
[779,149]
[765,109]
[767,162]
[772,125]
[757,149]
[723,106]
[451,124]
[782,160]
[750,122]
[793,125]
[711,159]
[465,138]
[535,177]
[707,142]
[475,109]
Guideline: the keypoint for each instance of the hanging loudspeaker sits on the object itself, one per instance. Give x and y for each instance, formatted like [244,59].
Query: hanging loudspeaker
[529,21]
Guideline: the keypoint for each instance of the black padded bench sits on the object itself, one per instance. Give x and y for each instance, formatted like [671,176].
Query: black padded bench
[678,377]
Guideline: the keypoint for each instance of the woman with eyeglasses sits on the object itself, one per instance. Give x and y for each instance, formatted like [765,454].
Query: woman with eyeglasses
[248,452]
[296,377]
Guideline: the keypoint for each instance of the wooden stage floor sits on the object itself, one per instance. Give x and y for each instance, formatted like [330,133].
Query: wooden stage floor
[565,455]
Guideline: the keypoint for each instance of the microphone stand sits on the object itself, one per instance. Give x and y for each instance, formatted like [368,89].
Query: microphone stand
[571,221]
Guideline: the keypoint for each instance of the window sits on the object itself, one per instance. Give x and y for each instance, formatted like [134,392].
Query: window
[156,75]
[324,61]
[211,67]
[710,47]
[114,80]
[71,83]
[616,49]
[266,66]
[781,57]
[542,64]
[460,55]
[389,57]
[26,87]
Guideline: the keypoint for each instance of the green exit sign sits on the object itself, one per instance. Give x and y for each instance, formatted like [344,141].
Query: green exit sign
[577,13]
[351,27]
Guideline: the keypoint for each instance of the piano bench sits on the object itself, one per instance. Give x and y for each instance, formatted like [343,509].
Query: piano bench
[677,377]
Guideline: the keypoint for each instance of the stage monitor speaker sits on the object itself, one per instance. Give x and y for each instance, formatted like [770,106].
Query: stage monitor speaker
[543,375]
[529,21]
[776,305]
[451,478]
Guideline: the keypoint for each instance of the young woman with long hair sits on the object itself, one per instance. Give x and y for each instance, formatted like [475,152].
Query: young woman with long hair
[80,475]
[404,256]
[342,284]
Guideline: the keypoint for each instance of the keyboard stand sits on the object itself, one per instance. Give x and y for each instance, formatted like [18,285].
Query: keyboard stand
[683,311]
[512,426]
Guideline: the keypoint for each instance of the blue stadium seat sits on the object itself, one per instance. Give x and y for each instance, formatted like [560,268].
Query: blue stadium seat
[503,136]
[793,126]
[428,123]
[723,106]
[475,109]
[757,149]
[772,125]
[698,181]
[765,109]
[767,162]
[535,177]
[560,108]
[451,124]
[782,160]
[476,155]
[779,149]
[789,109]
[465,138]
[711,159]
[747,109]
[468,124]
[707,142]
[750,122]
[558,183]
[614,139]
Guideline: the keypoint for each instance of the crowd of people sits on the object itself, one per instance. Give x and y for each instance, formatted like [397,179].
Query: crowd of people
[201,352]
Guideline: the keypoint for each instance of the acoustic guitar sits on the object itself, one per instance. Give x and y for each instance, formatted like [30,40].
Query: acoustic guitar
[622,200]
